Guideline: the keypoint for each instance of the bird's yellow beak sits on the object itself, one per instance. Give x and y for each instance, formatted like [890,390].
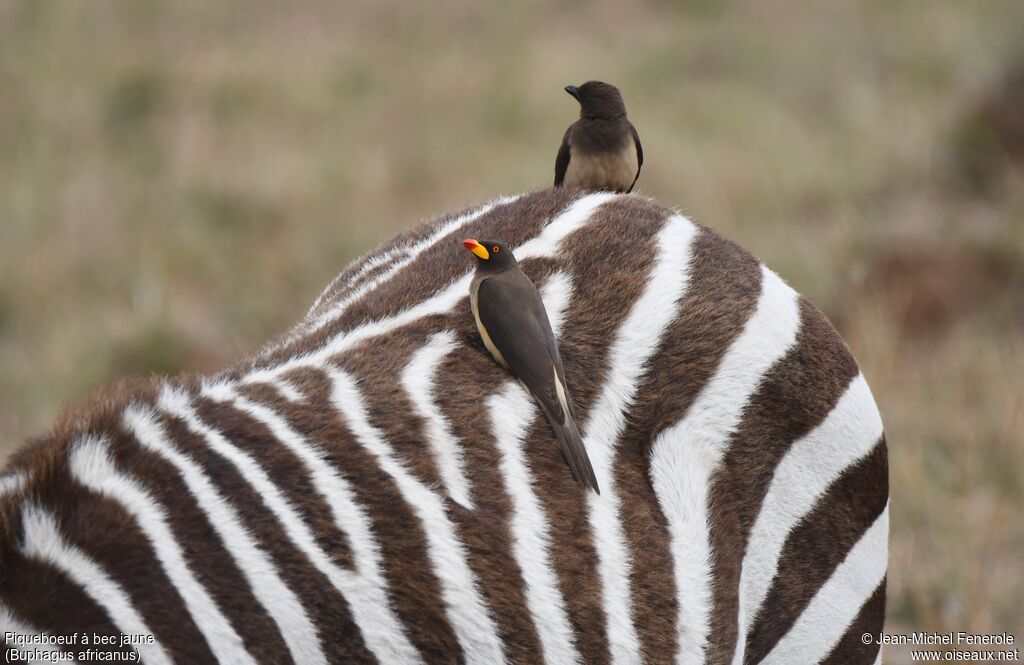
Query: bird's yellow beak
[472,245]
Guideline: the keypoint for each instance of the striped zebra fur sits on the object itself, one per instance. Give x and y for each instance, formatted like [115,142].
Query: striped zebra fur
[371,487]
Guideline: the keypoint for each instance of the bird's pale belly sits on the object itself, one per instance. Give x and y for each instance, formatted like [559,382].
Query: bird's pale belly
[488,342]
[606,170]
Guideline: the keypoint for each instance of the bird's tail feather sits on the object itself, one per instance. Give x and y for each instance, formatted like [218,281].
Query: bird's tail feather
[575,453]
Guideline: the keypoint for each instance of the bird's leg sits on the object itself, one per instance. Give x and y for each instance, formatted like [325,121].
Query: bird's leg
[476,342]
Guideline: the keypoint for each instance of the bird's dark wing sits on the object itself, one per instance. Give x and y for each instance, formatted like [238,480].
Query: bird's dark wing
[639,148]
[639,156]
[513,314]
[562,160]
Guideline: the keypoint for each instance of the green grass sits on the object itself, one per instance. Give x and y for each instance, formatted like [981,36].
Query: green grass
[179,180]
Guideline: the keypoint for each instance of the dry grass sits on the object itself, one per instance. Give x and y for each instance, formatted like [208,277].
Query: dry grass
[178,180]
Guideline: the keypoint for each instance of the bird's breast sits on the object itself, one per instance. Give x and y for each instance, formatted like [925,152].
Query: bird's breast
[612,170]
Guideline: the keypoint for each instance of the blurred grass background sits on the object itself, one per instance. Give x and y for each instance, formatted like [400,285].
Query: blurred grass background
[178,180]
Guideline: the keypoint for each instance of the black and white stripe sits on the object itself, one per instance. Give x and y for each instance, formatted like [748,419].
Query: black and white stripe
[281,512]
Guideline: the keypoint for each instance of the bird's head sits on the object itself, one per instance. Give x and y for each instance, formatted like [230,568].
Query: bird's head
[491,256]
[598,100]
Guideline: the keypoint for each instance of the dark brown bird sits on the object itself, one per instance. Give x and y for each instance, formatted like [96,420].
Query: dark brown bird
[601,150]
[513,323]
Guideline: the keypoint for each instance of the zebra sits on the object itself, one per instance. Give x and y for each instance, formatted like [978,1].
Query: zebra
[371,487]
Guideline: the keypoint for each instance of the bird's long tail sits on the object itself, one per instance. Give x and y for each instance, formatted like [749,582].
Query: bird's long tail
[571,442]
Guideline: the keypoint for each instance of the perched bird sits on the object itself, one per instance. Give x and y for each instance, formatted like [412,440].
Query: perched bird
[513,323]
[601,150]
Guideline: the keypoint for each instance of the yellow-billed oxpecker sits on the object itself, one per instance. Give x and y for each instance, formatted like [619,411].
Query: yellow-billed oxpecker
[601,150]
[513,323]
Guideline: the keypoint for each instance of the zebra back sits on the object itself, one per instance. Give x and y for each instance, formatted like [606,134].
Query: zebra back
[372,487]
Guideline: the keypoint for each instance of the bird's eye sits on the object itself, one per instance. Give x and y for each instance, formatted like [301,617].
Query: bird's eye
[495,249]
